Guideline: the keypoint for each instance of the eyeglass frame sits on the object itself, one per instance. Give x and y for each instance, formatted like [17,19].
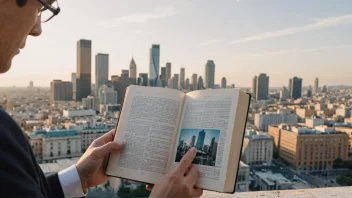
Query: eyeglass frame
[46,6]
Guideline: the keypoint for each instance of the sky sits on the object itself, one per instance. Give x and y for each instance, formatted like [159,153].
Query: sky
[283,38]
[186,135]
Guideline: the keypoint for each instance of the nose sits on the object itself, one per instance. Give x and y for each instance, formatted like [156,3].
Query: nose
[37,28]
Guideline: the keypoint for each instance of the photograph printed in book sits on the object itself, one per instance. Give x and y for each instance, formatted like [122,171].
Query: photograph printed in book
[205,140]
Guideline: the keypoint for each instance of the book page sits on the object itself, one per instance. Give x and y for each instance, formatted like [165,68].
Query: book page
[207,123]
[148,124]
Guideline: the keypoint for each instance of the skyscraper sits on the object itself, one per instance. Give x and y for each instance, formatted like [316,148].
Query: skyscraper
[163,73]
[84,69]
[31,84]
[316,85]
[200,83]
[200,140]
[295,87]
[209,74]
[120,84]
[154,64]
[176,78]
[193,141]
[194,82]
[125,73]
[262,87]
[107,95]
[211,146]
[181,84]
[60,91]
[133,69]
[187,84]
[223,83]
[73,80]
[168,71]
[254,87]
[101,71]
[144,79]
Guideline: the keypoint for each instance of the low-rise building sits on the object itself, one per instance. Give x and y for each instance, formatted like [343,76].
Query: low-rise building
[303,112]
[90,134]
[263,120]
[56,144]
[309,149]
[257,148]
[314,121]
[242,184]
[271,181]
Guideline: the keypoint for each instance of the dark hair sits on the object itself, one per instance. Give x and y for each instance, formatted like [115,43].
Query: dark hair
[21,3]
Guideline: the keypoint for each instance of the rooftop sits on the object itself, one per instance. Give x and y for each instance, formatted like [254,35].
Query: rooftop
[61,133]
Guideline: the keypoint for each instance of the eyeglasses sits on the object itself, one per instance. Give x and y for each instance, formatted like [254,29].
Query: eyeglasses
[49,10]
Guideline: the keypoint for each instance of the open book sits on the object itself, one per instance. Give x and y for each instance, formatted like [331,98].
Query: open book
[159,125]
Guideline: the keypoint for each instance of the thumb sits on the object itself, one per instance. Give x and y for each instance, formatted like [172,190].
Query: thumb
[104,150]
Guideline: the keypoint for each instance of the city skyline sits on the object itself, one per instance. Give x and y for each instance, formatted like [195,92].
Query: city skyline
[187,135]
[314,39]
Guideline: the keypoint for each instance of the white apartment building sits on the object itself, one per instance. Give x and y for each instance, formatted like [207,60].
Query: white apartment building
[257,148]
[314,121]
[90,134]
[263,120]
[56,144]
[242,184]
[344,112]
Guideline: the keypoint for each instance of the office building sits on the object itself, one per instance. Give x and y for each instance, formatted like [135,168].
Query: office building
[143,79]
[90,134]
[90,102]
[168,71]
[194,82]
[309,149]
[133,69]
[73,80]
[193,141]
[345,128]
[84,69]
[200,140]
[57,144]
[257,148]
[242,181]
[154,64]
[187,84]
[60,91]
[262,88]
[284,93]
[101,71]
[181,83]
[223,83]
[170,83]
[295,87]
[125,73]
[175,81]
[163,73]
[254,87]
[209,78]
[120,84]
[107,95]
[325,89]
[200,83]
[263,120]
[316,86]
[31,85]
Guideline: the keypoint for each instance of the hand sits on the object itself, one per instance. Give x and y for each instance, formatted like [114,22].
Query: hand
[91,166]
[180,182]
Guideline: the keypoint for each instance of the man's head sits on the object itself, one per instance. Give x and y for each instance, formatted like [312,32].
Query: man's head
[18,19]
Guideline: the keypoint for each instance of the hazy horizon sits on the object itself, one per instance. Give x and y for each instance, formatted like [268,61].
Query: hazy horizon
[307,39]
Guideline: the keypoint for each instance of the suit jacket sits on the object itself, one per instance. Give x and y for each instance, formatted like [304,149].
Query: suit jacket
[20,174]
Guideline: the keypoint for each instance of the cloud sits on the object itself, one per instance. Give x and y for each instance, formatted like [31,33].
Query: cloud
[318,24]
[210,42]
[290,51]
[140,17]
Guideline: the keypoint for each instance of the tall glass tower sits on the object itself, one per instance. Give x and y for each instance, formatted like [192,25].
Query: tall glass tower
[154,64]
[200,140]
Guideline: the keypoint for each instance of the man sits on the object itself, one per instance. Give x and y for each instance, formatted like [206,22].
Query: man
[20,175]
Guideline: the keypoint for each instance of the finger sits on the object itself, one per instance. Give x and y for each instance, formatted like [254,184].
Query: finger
[107,137]
[186,161]
[104,150]
[193,175]
[198,192]
[149,187]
